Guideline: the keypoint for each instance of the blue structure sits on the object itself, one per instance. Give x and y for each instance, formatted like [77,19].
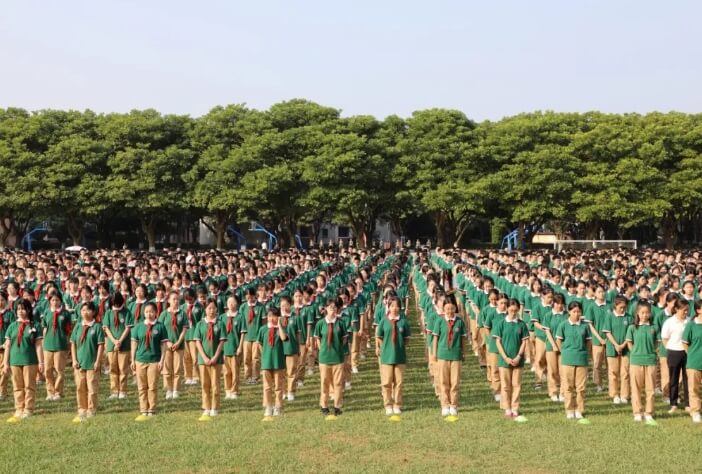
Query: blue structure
[26,242]
[239,236]
[510,240]
[256,227]
[298,239]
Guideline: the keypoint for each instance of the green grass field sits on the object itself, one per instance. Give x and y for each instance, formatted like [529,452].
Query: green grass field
[361,440]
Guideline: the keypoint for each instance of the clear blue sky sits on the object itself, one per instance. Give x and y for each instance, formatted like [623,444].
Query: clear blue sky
[486,58]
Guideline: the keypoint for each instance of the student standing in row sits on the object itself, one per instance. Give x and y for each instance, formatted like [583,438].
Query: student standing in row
[511,336]
[24,357]
[7,316]
[448,352]
[253,313]
[330,337]
[117,325]
[642,339]
[149,339]
[392,333]
[272,338]
[692,342]
[574,341]
[176,325]
[671,334]
[87,348]
[56,324]
[291,345]
[615,327]
[210,336]
[235,330]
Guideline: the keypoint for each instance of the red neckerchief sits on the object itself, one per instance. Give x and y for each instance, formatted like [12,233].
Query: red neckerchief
[450,334]
[20,332]
[251,313]
[149,327]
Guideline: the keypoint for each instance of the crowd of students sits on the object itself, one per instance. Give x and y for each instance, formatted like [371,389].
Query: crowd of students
[635,313]
[190,318]
[203,318]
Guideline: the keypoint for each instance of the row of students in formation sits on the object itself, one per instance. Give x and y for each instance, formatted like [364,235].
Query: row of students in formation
[651,340]
[273,338]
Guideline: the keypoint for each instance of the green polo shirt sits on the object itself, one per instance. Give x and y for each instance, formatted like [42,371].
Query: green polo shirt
[617,326]
[644,338]
[56,338]
[392,353]
[124,321]
[152,353]
[446,351]
[574,339]
[87,350]
[597,314]
[330,352]
[219,333]
[233,341]
[692,336]
[291,346]
[174,324]
[23,352]
[491,324]
[511,334]
[193,317]
[259,317]
[551,322]
[272,355]
[6,318]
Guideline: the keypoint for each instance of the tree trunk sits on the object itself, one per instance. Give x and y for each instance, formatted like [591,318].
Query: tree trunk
[220,229]
[458,234]
[6,226]
[75,230]
[359,232]
[520,235]
[592,230]
[440,222]
[670,231]
[148,225]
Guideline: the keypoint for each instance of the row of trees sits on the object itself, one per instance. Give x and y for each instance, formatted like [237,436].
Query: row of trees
[301,163]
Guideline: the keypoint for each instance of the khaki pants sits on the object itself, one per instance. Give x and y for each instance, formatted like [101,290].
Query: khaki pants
[347,368]
[190,361]
[643,378]
[475,339]
[493,372]
[147,382]
[301,363]
[291,363]
[24,381]
[331,379]
[618,374]
[539,360]
[355,348]
[273,382]
[664,372]
[210,376]
[312,357]
[119,366]
[3,377]
[529,350]
[574,378]
[553,370]
[450,380]
[232,370]
[87,390]
[172,364]
[598,358]
[55,361]
[252,360]
[511,382]
[694,378]
[392,379]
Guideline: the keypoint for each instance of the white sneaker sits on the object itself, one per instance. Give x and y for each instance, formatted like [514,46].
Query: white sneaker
[227,396]
[114,396]
[291,397]
[354,370]
[213,413]
[347,386]
[57,397]
[194,382]
[638,418]
[396,411]
[122,396]
[175,394]
[277,411]
[497,397]
[89,414]
[310,371]
[561,398]
[169,395]
[453,411]
[578,415]
[624,401]
[554,398]
[362,357]
[697,418]
[445,411]
[49,398]
[599,389]
[188,382]
[389,412]
[234,396]
[658,391]
[300,384]
[617,400]
[268,411]
[570,416]
[26,415]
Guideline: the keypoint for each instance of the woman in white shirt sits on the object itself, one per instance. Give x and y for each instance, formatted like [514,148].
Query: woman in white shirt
[671,333]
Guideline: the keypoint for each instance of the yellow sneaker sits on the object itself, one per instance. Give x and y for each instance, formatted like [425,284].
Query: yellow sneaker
[13,419]
[205,418]
[77,419]
[141,417]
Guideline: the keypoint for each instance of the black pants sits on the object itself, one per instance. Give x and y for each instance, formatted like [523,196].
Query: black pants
[677,361]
